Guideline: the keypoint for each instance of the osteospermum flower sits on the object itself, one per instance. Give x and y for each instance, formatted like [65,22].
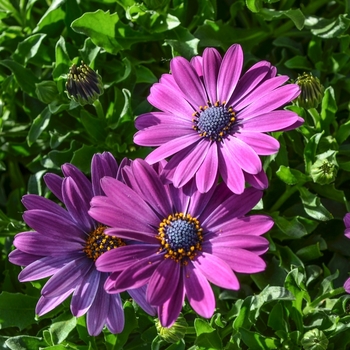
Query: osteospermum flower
[347,234]
[213,120]
[65,245]
[184,240]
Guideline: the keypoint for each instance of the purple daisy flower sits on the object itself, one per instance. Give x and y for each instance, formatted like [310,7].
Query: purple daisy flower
[65,245]
[184,239]
[347,234]
[213,120]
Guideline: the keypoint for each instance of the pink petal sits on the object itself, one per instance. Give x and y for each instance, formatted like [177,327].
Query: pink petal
[212,61]
[262,144]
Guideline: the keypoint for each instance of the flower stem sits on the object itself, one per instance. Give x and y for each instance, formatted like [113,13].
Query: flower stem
[287,193]
[99,109]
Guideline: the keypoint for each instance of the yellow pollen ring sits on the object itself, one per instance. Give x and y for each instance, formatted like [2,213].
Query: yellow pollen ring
[180,255]
[98,243]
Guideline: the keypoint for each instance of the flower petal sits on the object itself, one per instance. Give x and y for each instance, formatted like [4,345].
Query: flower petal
[160,285]
[262,144]
[139,295]
[115,318]
[199,292]
[84,294]
[211,66]
[17,257]
[258,181]
[347,286]
[45,305]
[188,81]
[216,270]
[147,120]
[230,71]
[54,183]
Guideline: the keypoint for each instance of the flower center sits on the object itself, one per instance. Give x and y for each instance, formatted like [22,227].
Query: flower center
[181,235]
[214,121]
[98,243]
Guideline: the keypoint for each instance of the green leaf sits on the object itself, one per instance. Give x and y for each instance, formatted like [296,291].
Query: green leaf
[61,327]
[62,63]
[343,132]
[292,229]
[82,157]
[182,43]
[298,62]
[206,335]
[310,252]
[107,31]
[329,108]
[52,22]
[93,126]
[16,310]
[25,342]
[326,28]
[297,17]
[24,76]
[39,124]
[310,150]
[28,48]
[277,318]
[313,207]
[291,176]
[256,341]
[254,5]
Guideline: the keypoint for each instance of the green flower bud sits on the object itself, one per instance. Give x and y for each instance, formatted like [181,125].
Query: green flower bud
[324,170]
[83,85]
[46,91]
[174,333]
[314,340]
[311,91]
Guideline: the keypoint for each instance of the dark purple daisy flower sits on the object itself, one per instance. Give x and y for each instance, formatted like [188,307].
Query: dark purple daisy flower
[65,245]
[184,240]
[213,121]
[347,234]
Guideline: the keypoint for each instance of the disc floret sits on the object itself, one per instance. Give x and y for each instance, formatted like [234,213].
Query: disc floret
[98,243]
[181,236]
[214,121]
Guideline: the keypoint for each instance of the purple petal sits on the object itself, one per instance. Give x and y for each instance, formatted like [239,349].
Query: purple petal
[188,81]
[295,125]
[69,170]
[151,187]
[139,295]
[261,144]
[239,260]
[249,81]
[258,181]
[35,243]
[199,292]
[85,293]
[115,319]
[269,102]
[170,310]
[216,270]
[231,173]
[233,207]
[54,183]
[70,276]
[121,258]
[78,205]
[161,134]
[347,286]
[212,61]
[197,63]
[54,226]
[44,267]
[160,285]
[137,274]
[172,147]
[256,244]
[230,71]
[45,305]
[272,121]
[262,90]
[33,201]
[17,257]
[170,100]
[242,154]
[189,165]
[102,165]
[160,118]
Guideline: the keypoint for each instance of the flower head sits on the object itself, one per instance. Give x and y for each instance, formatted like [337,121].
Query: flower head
[185,239]
[213,120]
[174,333]
[311,91]
[325,168]
[83,84]
[347,234]
[65,244]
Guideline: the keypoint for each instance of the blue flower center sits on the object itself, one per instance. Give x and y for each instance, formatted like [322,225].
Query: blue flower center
[214,121]
[98,243]
[181,236]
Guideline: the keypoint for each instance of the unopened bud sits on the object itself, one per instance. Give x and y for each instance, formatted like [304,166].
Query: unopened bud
[311,91]
[174,333]
[314,340]
[324,170]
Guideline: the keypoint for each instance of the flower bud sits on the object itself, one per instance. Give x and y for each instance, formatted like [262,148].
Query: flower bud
[311,91]
[46,91]
[314,340]
[83,85]
[324,170]
[174,333]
